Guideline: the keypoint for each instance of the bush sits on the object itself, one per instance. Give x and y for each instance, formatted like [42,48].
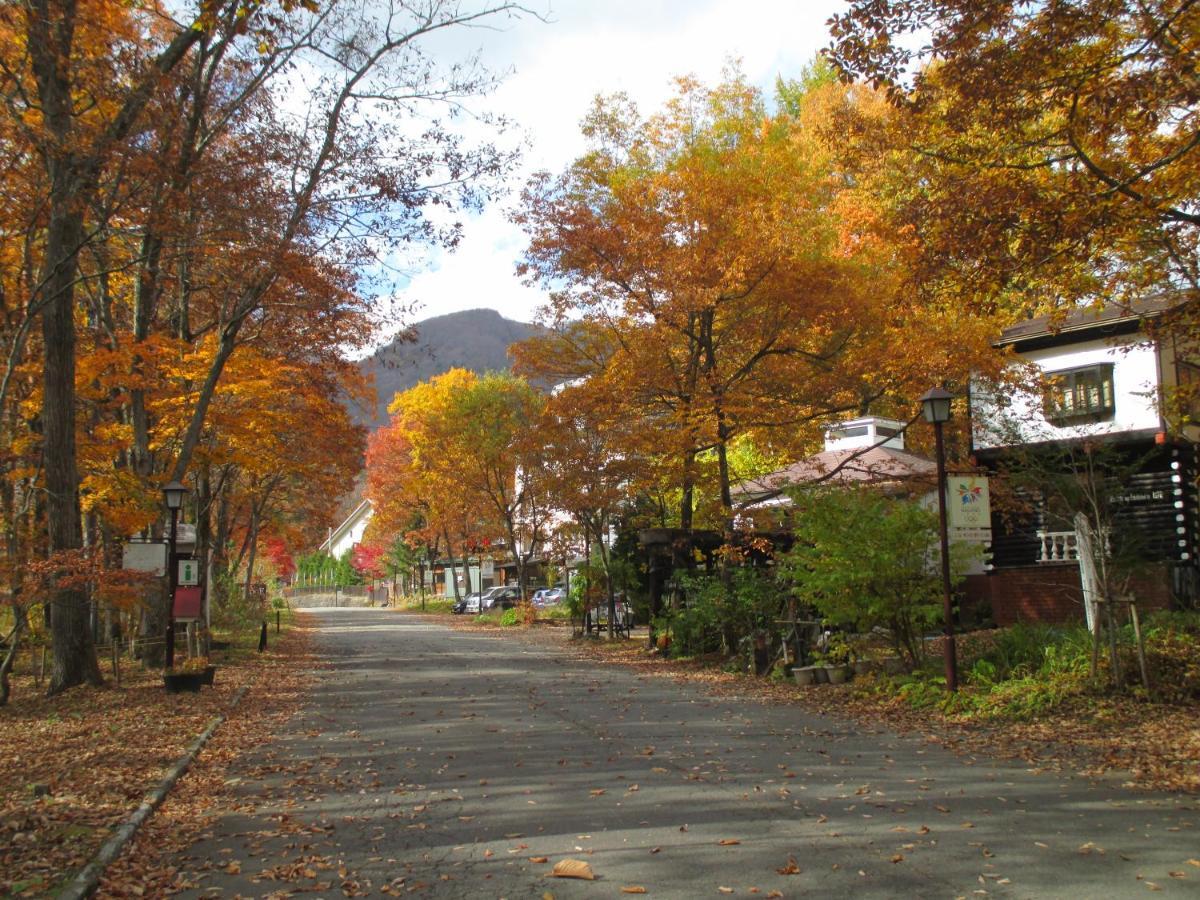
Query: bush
[511,617]
[866,560]
[717,617]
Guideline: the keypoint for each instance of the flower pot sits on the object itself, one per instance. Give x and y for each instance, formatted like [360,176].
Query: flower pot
[837,674]
[206,677]
[179,682]
[805,675]
[821,674]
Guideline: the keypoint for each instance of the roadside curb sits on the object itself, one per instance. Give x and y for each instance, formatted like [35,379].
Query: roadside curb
[88,878]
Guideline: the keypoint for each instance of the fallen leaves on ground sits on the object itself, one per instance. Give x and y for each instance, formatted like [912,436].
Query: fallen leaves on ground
[1156,744]
[150,862]
[75,766]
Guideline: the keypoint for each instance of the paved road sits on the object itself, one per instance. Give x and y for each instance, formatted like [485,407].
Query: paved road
[442,763]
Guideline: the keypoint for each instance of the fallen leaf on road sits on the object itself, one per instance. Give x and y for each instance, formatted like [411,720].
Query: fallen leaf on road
[1194,862]
[572,868]
[792,868]
[633,889]
[728,842]
[539,859]
[597,792]
[725,890]
[234,868]
[899,857]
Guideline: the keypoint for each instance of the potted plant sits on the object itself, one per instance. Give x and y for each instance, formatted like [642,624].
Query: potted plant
[805,675]
[837,659]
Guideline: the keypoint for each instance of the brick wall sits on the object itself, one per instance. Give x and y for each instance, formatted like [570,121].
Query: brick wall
[1052,593]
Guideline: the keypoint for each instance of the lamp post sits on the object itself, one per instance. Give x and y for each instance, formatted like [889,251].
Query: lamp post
[173,493]
[935,405]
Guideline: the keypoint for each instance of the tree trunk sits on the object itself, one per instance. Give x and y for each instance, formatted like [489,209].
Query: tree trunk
[74,659]
[10,656]
[251,552]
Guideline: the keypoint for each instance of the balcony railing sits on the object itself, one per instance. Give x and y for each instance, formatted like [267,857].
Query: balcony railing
[1061,546]
[1057,546]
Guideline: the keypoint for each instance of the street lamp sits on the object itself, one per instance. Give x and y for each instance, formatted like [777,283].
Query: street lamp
[173,493]
[935,405]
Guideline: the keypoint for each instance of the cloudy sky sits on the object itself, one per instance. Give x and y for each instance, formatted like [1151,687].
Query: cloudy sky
[585,48]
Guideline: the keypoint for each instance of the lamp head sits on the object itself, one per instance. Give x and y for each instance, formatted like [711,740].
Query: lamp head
[174,494]
[935,405]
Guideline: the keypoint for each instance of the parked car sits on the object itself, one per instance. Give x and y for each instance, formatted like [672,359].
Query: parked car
[549,597]
[505,597]
[468,604]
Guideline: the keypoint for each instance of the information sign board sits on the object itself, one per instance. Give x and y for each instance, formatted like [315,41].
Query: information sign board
[145,556]
[189,572]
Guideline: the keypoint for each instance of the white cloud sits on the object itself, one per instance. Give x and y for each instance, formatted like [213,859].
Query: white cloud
[636,46]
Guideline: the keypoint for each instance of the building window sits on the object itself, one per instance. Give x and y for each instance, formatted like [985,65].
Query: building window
[1080,395]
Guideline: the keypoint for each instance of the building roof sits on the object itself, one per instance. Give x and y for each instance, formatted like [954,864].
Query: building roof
[364,508]
[874,465]
[1112,317]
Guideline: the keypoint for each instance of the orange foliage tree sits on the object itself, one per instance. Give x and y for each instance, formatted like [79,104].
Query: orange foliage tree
[715,265]
[163,214]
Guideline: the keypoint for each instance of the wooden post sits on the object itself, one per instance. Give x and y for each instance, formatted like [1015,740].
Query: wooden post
[1141,650]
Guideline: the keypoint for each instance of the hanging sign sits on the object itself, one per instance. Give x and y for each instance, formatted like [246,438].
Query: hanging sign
[141,556]
[188,603]
[970,508]
[189,572]
[487,569]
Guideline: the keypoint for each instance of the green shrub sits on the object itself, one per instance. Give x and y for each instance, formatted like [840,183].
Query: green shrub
[511,617]
[862,559]
[716,616]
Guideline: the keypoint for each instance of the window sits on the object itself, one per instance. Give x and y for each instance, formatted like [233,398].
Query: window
[1080,395]
[847,431]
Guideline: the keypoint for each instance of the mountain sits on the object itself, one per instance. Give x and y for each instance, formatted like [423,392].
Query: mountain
[475,339]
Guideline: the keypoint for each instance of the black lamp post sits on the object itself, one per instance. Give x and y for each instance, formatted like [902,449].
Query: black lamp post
[173,493]
[935,405]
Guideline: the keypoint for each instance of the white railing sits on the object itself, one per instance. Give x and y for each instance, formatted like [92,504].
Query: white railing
[1057,546]
[1062,546]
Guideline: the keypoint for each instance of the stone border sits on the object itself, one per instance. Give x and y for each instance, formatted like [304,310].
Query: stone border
[88,878]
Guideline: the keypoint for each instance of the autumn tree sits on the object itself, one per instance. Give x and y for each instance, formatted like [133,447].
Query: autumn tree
[414,477]
[590,468]
[716,263]
[1070,128]
[157,146]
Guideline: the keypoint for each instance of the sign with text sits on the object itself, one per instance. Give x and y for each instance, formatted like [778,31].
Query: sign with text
[189,572]
[969,508]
